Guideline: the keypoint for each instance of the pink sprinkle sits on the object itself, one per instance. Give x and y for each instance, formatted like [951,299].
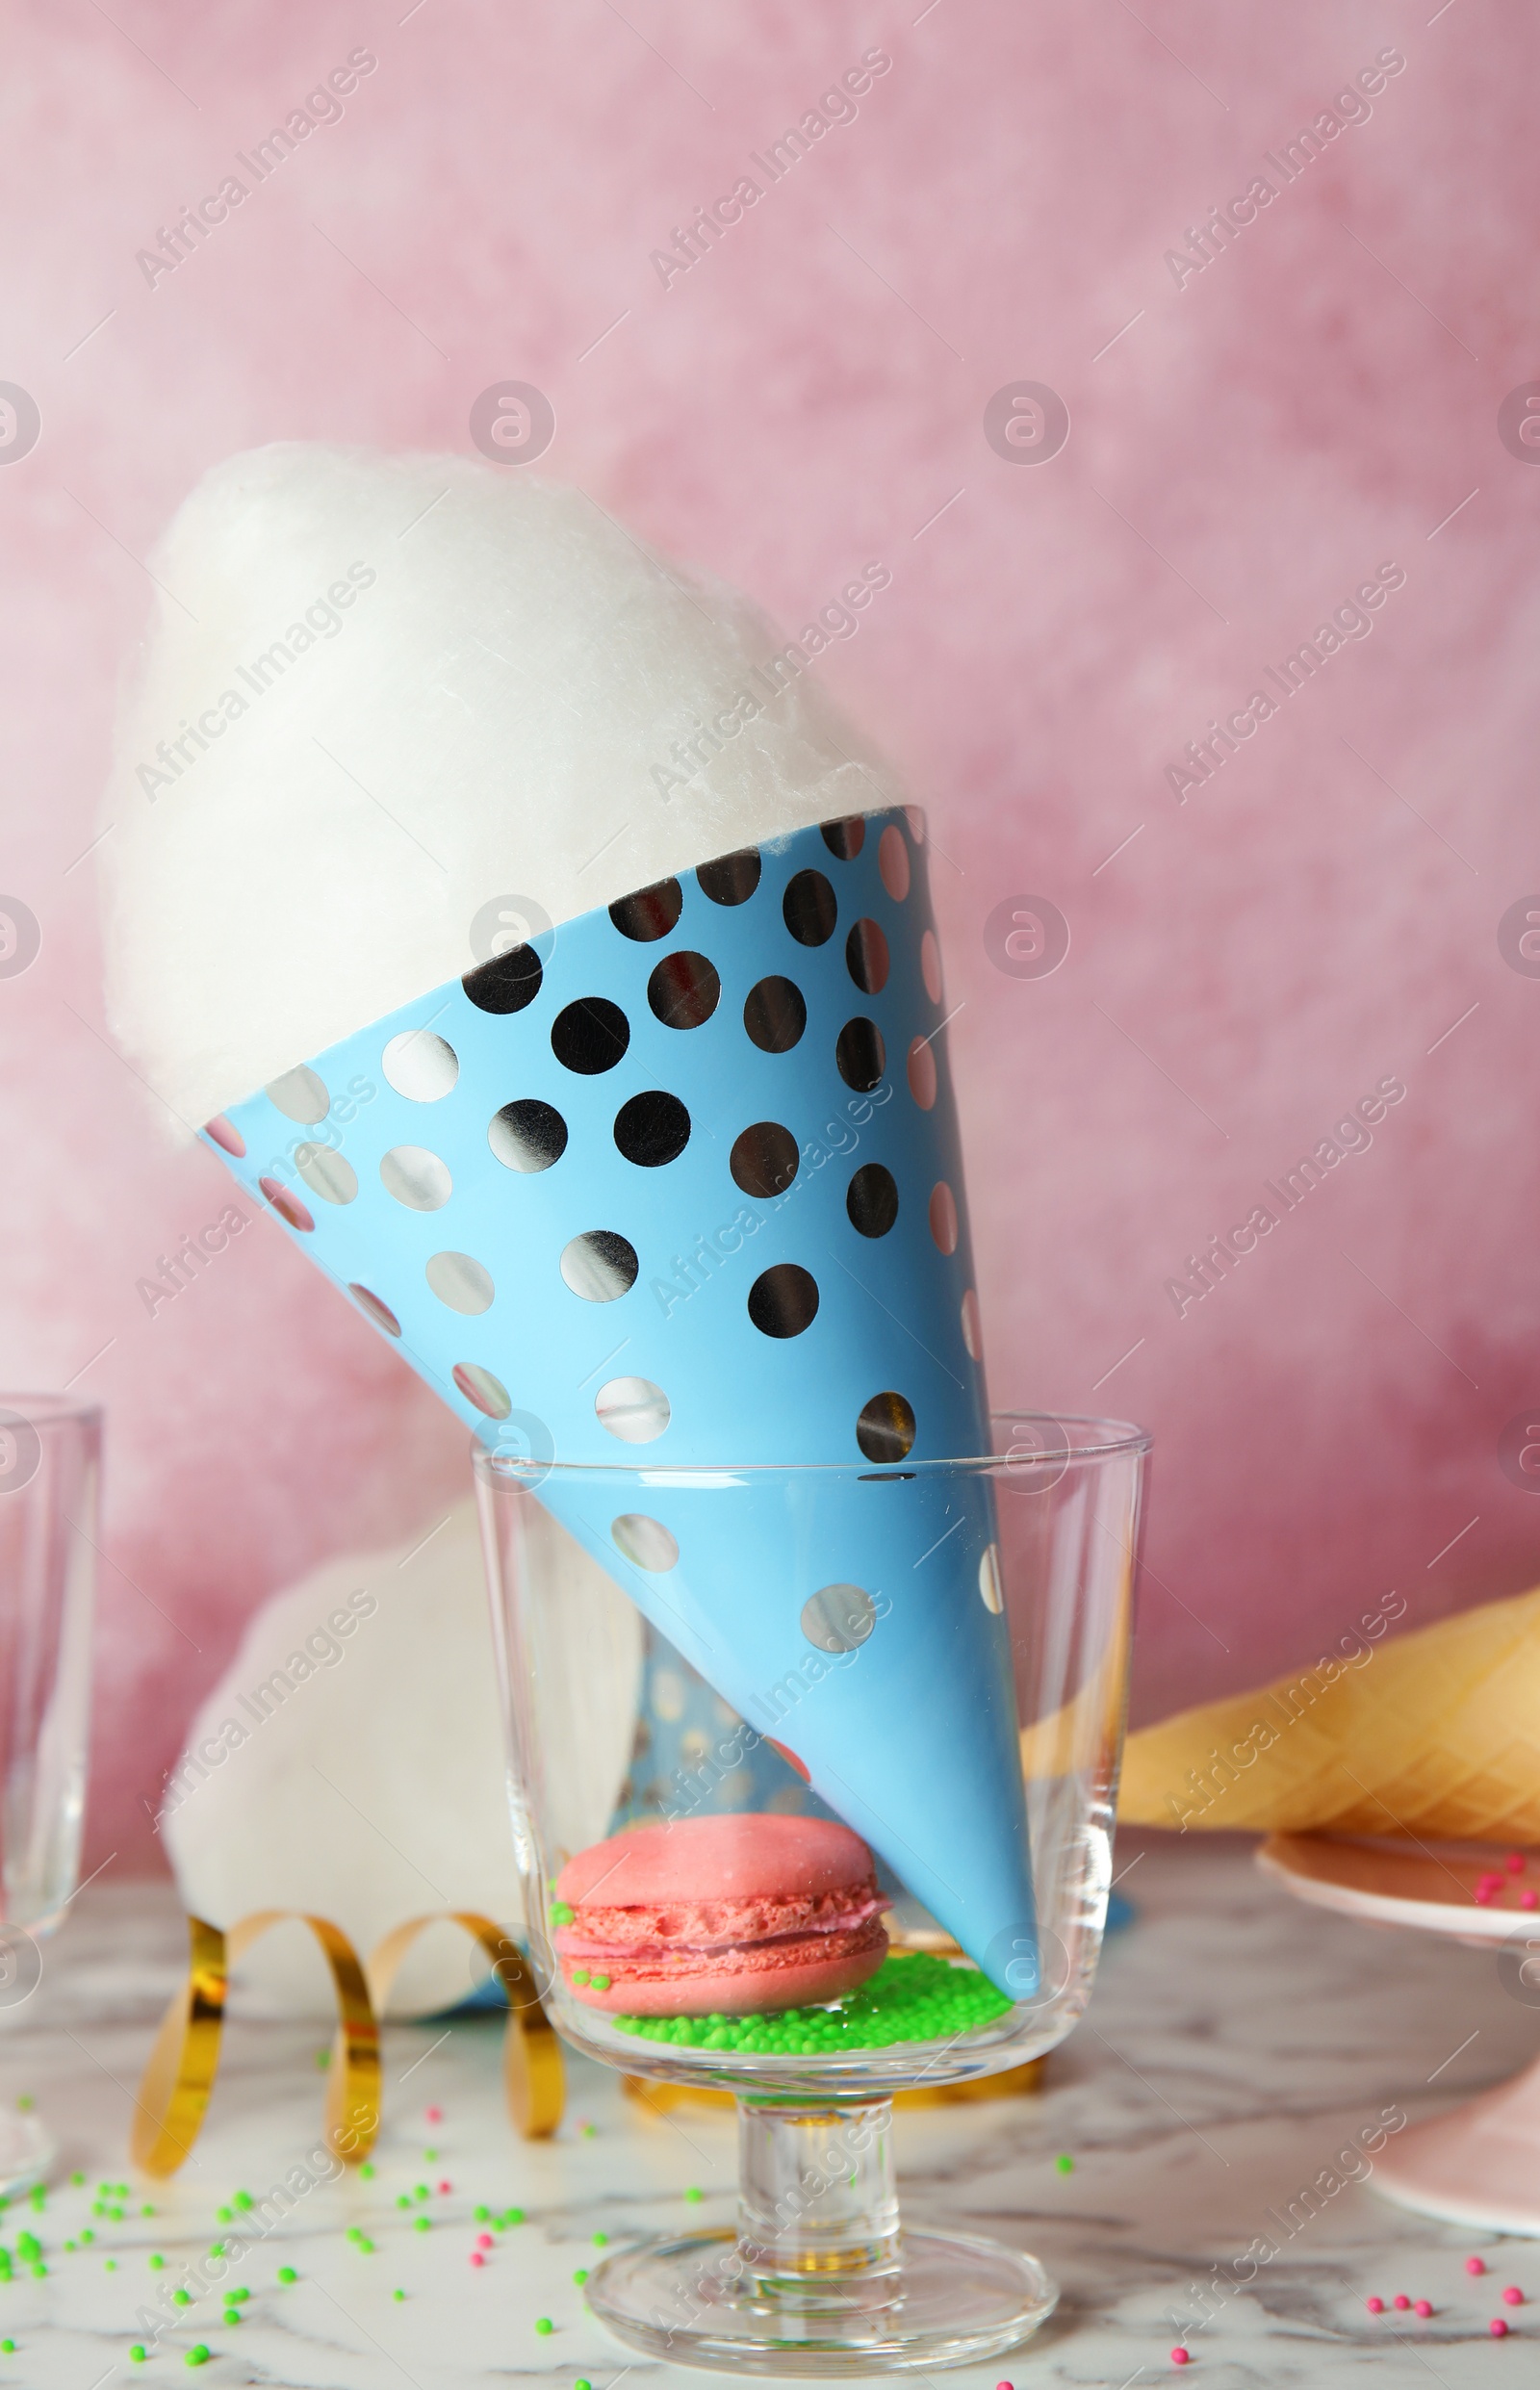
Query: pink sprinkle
[1512,2297]
[1375,2306]
[1401,2300]
[1498,2327]
[1514,1862]
[446,2185]
[1005,2386]
[1483,1894]
[1529,1899]
[1476,2265]
[434,2115]
[1181,2356]
[476,2259]
[484,2240]
[1423,2306]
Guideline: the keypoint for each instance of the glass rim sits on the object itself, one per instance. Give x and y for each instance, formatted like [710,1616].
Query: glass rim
[52,1410]
[1109,1439]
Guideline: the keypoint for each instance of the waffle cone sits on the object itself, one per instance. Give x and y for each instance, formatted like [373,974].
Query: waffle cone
[1434,1734]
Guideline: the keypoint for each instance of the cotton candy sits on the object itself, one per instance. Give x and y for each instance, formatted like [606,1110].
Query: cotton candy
[381,694]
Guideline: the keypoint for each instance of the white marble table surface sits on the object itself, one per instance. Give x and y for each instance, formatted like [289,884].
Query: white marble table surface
[1234,2042]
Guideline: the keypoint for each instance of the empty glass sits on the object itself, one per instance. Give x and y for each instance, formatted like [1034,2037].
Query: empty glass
[610,1727]
[50,1468]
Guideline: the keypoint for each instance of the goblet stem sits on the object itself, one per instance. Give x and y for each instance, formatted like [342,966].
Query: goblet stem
[817,2202]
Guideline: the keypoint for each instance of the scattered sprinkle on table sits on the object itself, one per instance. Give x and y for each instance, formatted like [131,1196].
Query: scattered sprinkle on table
[600,2240]
[1064,2163]
[1499,2328]
[1513,2296]
[478,2257]
[199,2356]
[581,2277]
[232,2315]
[1401,2301]
[397,2293]
[1476,2265]
[692,2193]
[544,2324]
[434,2116]
[1421,2306]
[286,2274]
[1181,2355]
[1375,2306]
[136,2355]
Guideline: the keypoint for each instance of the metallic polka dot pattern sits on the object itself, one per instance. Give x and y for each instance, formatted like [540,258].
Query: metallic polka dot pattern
[731,879]
[326,1173]
[645,1542]
[419,1066]
[485,1392]
[460,1282]
[416,1177]
[661,1195]
[838,1618]
[300,1095]
[632,1409]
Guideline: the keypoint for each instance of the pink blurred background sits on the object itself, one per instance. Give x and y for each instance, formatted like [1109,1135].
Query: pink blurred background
[1249,443]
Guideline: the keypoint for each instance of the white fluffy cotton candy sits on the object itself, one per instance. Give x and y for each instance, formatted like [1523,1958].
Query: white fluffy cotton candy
[351,1763]
[382,692]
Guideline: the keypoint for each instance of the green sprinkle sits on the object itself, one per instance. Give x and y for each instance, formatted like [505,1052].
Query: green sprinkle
[110,2265]
[239,2296]
[39,2269]
[914,1996]
[77,2180]
[560,1912]
[225,2215]
[692,2195]
[286,2274]
[430,2157]
[421,2223]
[69,2245]
[397,2293]
[401,2200]
[9,2347]
[156,2263]
[420,2190]
[232,2315]
[600,1983]
[87,2235]
[581,2384]
[600,2240]
[245,2202]
[181,2299]
[365,2171]
[579,1974]
[115,2214]
[544,2324]
[24,2103]
[136,2355]
[512,2216]
[581,2277]
[481,2215]
[1064,2163]
[199,2356]
[322,2060]
[147,2209]
[216,2249]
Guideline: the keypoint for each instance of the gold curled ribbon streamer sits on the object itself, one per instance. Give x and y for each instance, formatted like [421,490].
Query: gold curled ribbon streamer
[178,2078]
[534,2077]
[173,2093]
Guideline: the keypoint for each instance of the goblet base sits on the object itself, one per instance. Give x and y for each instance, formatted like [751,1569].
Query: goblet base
[942,2298]
[27,2150]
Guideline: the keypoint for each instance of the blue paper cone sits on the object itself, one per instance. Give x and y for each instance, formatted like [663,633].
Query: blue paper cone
[683,1174]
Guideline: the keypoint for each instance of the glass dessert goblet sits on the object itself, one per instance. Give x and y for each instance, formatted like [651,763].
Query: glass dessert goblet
[676,1865]
[50,1463]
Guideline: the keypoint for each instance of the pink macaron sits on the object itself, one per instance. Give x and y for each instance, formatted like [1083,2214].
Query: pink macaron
[719,1915]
